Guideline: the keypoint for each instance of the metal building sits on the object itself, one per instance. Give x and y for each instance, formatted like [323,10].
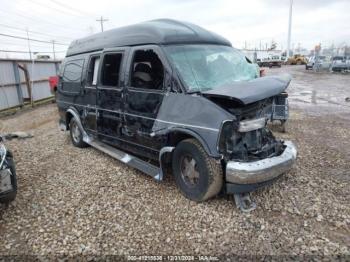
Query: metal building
[19,76]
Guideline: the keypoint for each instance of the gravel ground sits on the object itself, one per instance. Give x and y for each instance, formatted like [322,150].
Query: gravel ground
[79,201]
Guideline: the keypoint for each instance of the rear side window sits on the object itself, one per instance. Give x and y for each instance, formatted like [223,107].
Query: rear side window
[72,75]
[72,71]
[111,69]
[93,71]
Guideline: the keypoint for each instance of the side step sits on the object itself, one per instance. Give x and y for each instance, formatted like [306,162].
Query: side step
[128,159]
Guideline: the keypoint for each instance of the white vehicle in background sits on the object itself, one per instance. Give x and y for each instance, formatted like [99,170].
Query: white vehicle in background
[271,60]
[340,63]
[319,63]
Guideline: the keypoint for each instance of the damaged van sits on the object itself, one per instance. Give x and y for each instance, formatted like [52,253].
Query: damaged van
[169,95]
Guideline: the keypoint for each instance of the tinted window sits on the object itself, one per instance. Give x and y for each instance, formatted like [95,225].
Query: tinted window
[72,71]
[110,69]
[93,71]
[147,70]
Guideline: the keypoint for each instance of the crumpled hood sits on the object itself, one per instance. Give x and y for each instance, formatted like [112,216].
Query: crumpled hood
[253,90]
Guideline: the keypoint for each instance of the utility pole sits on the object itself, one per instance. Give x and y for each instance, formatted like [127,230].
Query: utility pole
[32,70]
[53,50]
[29,49]
[101,20]
[289,28]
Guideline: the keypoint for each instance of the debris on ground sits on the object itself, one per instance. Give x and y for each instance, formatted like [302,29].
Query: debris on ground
[18,135]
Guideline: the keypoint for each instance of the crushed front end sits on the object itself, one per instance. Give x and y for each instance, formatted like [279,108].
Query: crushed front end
[252,156]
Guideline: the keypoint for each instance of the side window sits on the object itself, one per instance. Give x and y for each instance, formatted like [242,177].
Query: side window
[93,71]
[72,71]
[110,69]
[147,70]
[72,74]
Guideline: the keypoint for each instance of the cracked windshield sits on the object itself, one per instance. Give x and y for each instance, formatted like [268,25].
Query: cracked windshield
[204,67]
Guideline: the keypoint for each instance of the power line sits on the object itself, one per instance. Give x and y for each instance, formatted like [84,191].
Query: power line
[12,43]
[34,32]
[58,10]
[71,8]
[31,39]
[43,21]
[27,52]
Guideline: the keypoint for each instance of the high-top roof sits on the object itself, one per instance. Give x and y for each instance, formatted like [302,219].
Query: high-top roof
[161,31]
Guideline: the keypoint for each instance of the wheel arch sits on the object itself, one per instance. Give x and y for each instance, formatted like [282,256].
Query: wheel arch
[177,134]
[174,136]
[70,113]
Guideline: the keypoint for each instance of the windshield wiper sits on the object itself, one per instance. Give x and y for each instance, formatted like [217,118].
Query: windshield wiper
[194,92]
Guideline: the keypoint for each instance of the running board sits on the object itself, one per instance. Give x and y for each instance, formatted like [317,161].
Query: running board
[128,159]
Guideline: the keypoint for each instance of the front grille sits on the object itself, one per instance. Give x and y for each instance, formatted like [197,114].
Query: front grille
[254,145]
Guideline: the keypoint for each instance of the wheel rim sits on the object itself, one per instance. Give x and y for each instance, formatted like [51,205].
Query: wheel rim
[189,170]
[75,132]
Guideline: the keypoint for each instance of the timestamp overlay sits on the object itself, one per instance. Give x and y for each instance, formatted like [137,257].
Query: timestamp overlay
[172,258]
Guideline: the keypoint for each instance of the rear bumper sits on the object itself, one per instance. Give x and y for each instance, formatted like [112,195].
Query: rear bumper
[340,67]
[256,174]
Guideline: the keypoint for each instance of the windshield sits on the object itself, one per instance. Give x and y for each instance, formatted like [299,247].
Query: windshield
[338,58]
[204,67]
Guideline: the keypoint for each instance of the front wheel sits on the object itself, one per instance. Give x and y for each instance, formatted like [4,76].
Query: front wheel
[198,176]
[76,134]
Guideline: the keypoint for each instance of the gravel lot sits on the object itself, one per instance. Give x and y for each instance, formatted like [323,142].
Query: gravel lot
[79,201]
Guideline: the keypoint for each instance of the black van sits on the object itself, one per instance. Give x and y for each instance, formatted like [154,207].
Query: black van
[165,93]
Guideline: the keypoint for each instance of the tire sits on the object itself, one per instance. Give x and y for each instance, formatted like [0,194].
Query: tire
[208,179]
[6,199]
[76,134]
[284,126]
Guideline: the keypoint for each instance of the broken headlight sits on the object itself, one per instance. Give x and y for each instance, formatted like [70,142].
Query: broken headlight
[250,125]
[226,135]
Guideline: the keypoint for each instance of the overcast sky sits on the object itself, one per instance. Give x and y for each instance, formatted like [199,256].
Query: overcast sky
[243,22]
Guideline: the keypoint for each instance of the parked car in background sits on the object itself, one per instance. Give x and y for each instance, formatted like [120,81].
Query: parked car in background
[43,57]
[53,82]
[270,61]
[165,93]
[8,179]
[259,61]
[340,63]
[274,60]
[318,63]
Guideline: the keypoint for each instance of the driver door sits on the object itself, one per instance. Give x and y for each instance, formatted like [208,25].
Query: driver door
[142,101]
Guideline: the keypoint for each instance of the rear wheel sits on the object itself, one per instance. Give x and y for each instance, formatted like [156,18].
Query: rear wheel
[76,134]
[198,176]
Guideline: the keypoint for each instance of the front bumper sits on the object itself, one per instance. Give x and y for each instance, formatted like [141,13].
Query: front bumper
[262,171]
